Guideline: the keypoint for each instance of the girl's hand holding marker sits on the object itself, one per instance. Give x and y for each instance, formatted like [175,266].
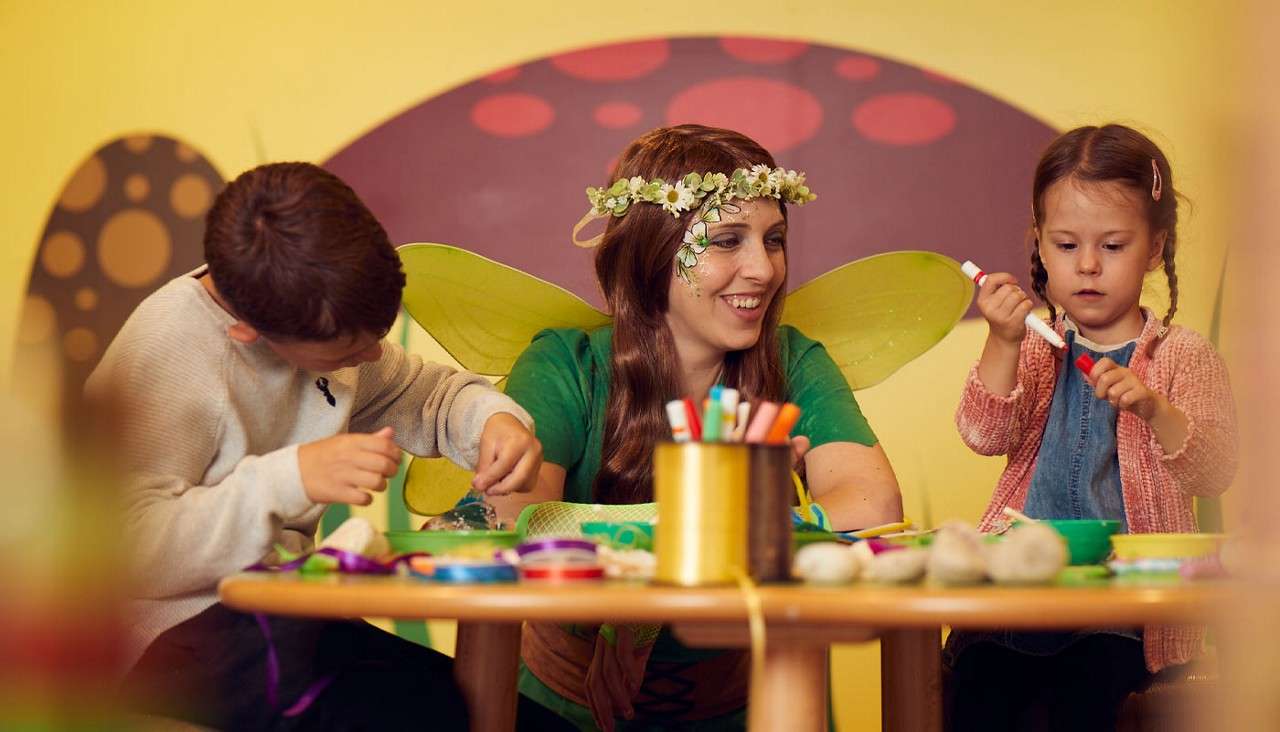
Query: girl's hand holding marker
[1008,311]
[1120,386]
[1007,308]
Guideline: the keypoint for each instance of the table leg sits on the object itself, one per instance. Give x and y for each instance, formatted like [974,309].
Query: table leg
[911,680]
[485,665]
[792,695]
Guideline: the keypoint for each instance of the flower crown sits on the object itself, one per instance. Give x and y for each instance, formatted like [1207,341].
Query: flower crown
[693,189]
[708,193]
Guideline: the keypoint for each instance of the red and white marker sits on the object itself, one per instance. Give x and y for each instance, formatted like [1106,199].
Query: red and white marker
[977,275]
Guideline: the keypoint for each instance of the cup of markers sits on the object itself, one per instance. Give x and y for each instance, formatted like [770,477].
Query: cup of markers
[725,417]
[724,490]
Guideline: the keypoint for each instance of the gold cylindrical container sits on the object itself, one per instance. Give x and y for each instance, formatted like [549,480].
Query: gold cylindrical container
[701,490]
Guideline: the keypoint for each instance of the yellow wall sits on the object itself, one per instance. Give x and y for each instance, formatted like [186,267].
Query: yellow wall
[309,77]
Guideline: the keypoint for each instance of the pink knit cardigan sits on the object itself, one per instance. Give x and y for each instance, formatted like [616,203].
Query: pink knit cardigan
[1157,488]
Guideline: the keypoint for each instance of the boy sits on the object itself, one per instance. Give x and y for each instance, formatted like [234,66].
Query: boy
[256,391]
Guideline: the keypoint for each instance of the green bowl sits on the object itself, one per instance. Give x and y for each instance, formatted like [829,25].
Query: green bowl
[1088,540]
[620,534]
[478,544]
[802,538]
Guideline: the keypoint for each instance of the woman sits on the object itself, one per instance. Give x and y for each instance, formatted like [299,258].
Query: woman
[693,269]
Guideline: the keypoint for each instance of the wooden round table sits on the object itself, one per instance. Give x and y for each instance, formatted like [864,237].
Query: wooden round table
[801,624]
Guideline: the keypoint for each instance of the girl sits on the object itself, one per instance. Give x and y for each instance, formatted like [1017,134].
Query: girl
[693,270]
[1147,428]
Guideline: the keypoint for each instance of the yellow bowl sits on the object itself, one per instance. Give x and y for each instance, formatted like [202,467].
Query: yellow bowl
[1165,546]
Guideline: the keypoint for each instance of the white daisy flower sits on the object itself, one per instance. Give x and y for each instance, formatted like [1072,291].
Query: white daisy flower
[760,178]
[675,198]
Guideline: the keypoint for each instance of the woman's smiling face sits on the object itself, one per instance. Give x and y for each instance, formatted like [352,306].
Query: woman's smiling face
[734,280]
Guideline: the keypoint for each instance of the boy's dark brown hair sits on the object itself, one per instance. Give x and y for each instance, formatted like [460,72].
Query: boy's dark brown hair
[297,256]
[1111,153]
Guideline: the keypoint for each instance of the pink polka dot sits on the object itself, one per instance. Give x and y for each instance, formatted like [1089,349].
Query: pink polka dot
[776,114]
[618,62]
[858,68]
[617,115]
[503,76]
[761,50]
[512,115]
[904,118]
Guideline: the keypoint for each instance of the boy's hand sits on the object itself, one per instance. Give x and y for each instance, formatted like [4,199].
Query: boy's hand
[1124,389]
[344,468]
[1005,306]
[510,457]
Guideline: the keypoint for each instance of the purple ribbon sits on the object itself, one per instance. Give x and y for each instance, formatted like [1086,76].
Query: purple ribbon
[538,546]
[349,563]
[273,676]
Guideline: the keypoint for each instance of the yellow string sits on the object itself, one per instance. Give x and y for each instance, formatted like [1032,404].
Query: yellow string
[755,624]
[802,494]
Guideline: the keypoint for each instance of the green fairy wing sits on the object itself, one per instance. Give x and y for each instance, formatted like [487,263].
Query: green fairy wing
[876,314]
[484,314]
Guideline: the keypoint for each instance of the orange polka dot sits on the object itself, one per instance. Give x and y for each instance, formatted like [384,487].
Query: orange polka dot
[86,186]
[86,298]
[185,153]
[134,248]
[136,187]
[62,254]
[190,196]
[80,344]
[38,321]
[138,144]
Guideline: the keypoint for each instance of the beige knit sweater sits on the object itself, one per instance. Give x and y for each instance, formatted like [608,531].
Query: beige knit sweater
[210,432]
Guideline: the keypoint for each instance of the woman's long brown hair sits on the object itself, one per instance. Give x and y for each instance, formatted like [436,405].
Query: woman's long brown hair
[634,265]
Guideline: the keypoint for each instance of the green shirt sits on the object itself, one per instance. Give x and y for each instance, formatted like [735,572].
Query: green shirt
[563,380]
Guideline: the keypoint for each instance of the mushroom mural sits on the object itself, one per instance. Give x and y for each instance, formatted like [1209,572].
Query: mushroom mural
[128,219]
[901,157]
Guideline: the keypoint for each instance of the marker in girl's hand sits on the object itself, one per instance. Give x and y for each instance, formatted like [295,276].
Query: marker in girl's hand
[972,271]
[1085,364]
